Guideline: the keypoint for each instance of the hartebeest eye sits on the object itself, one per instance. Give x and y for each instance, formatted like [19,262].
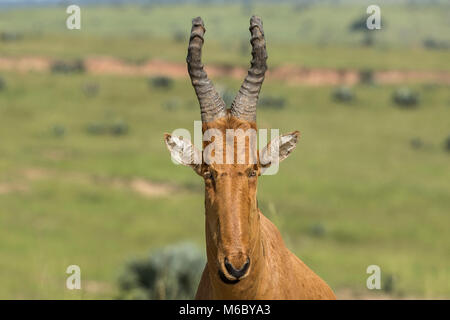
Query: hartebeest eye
[252,174]
[208,175]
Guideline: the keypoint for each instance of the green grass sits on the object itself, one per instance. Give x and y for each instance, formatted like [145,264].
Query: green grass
[402,24]
[141,48]
[317,36]
[355,175]
[379,200]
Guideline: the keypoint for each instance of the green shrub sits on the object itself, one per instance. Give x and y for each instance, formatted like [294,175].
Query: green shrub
[161,82]
[172,272]
[118,128]
[343,94]
[10,36]
[272,102]
[60,66]
[389,283]
[179,36]
[171,104]
[405,98]
[58,130]
[317,230]
[366,76]
[2,84]
[416,143]
[447,144]
[433,44]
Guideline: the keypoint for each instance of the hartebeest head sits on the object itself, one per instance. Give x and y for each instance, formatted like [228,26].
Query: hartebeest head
[232,215]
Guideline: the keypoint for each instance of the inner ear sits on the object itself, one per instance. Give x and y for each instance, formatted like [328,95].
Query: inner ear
[278,149]
[288,142]
[183,152]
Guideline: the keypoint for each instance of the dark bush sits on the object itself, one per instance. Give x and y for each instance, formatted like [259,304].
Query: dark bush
[172,272]
[447,144]
[343,94]
[115,128]
[405,98]
[416,143]
[272,102]
[317,230]
[2,84]
[179,36]
[359,24]
[10,36]
[161,82]
[389,283]
[58,130]
[118,128]
[434,44]
[60,66]
[366,76]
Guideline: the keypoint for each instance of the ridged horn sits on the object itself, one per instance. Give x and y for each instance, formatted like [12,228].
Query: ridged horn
[212,105]
[244,105]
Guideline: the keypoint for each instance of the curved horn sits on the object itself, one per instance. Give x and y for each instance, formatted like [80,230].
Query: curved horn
[212,105]
[244,105]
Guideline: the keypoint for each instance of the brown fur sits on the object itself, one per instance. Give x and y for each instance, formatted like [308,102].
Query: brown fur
[236,229]
[247,258]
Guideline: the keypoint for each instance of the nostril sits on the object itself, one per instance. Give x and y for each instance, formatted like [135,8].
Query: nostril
[237,272]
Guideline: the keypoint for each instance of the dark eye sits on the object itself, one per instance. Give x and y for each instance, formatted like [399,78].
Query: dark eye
[252,174]
[208,175]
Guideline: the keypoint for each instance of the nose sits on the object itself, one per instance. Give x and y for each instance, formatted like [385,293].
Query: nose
[236,271]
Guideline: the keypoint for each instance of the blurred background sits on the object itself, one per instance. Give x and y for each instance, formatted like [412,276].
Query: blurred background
[86,179]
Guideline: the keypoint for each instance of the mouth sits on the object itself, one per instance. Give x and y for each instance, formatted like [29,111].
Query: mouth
[225,279]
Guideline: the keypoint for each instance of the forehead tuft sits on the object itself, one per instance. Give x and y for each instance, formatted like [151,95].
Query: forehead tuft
[235,132]
[229,122]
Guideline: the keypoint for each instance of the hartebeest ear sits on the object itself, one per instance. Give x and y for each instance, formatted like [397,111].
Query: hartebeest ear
[278,149]
[183,152]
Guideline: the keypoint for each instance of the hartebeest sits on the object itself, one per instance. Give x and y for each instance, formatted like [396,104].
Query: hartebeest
[246,256]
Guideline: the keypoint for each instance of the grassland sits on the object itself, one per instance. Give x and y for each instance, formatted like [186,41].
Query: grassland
[316,24]
[316,36]
[354,193]
[354,174]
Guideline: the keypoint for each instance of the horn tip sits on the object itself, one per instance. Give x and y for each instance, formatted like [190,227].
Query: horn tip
[255,21]
[198,21]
